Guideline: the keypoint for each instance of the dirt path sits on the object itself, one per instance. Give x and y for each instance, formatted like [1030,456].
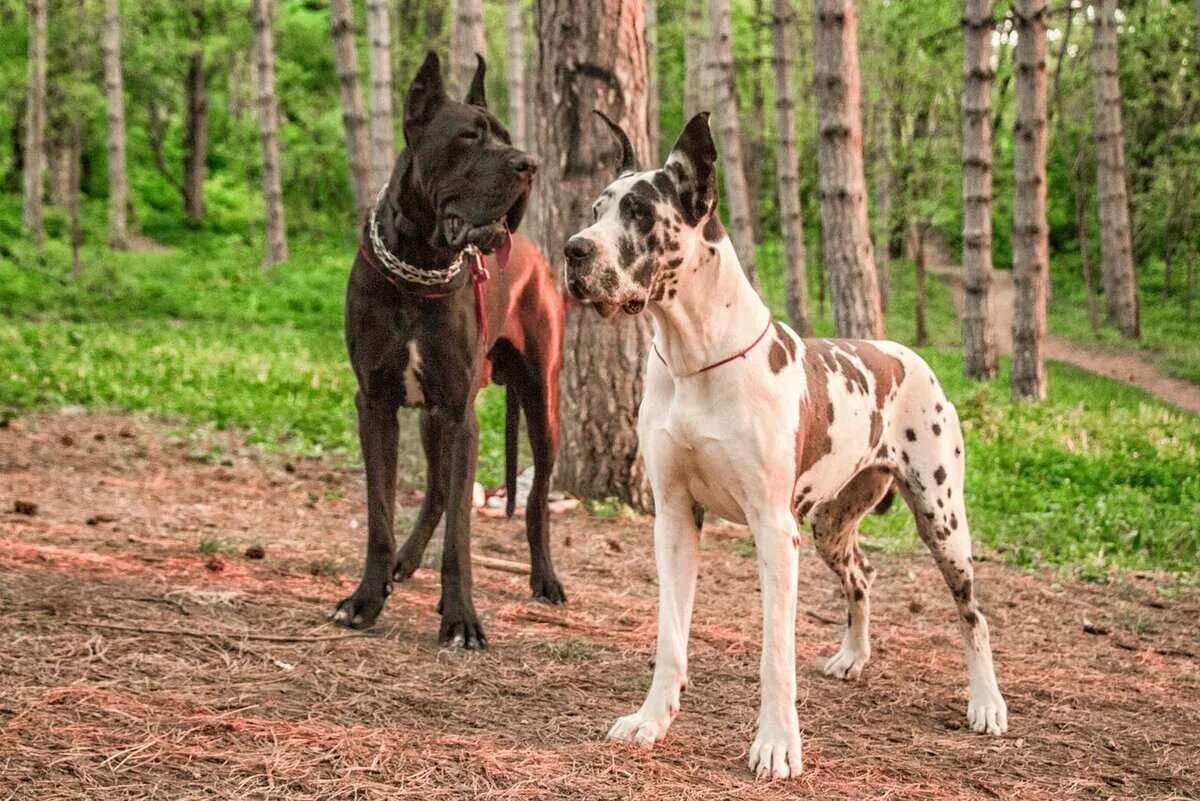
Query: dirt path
[133,666]
[1124,366]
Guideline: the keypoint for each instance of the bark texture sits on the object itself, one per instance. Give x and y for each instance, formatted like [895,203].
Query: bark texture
[75,137]
[275,249]
[514,58]
[379,61]
[729,137]
[35,124]
[592,55]
[466,41]
[651,8]
[1116,244]
[114,95]
[795,268]
[354,117]
[980,358]
[694,58]
[881,225]
[846,238]
[195,133]
[1030,233]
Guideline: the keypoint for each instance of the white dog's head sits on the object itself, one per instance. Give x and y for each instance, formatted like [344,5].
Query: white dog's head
[647,224]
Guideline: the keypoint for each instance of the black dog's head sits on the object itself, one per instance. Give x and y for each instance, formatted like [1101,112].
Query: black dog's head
[647,224]
[461,161]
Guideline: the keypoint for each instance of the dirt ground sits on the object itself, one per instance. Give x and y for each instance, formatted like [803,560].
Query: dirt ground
[134,666]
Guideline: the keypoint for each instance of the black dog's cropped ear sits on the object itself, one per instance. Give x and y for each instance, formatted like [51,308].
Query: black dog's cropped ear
[477,95]
[693,166]
[628,162]
[425,96]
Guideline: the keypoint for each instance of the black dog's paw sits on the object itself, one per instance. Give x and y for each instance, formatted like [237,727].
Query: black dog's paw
[359,611]
[462,630]
[548,590]
[404,569]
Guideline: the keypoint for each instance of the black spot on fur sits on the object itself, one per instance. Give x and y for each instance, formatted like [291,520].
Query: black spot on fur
[626,251]
[937,430]
[910,435]
[971,618]
[858,594]
[713,230]
[939,475]
[953,521]
[937,408]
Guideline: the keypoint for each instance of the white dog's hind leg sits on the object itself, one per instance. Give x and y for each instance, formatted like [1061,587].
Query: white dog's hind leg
[835,530]
[676,553]
[775,752]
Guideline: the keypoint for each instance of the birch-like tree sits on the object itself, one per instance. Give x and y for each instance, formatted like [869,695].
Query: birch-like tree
[275,249]
[845,235]
[1030,236]
[514,58]
[114,96]
[35,124]
[354,117]
[466,41]
[795,269]
[379,61]
[1116,242]
[729,137]
[979,341]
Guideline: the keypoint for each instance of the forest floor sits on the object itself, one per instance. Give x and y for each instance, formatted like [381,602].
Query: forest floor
[144,654]
[1136,368]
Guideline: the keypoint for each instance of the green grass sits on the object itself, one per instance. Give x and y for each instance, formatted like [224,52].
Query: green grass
[1100,477]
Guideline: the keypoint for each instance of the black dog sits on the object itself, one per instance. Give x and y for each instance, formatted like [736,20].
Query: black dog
[425,328]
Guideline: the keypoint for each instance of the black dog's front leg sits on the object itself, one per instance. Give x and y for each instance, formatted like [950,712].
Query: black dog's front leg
[378,433]
[434,504]
[460,625]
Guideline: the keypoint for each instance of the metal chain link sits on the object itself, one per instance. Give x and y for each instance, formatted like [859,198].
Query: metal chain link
[405,271]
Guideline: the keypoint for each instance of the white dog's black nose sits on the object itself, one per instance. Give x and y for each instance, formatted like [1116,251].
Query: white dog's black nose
[579,249]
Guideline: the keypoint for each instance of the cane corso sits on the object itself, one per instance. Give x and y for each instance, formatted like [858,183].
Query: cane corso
[442,298]
[745,418]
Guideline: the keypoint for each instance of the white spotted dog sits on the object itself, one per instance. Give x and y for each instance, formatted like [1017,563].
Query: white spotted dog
[742,417]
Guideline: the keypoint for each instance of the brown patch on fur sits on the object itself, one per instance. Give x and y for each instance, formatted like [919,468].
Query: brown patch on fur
[777,358]
[876,428]
[789,342]
[812,435]
[888,371]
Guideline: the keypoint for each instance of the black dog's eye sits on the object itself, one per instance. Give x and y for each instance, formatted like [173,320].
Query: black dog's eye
[469,136]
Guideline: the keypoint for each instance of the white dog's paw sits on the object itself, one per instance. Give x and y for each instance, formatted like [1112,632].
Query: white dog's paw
[848,662]
[776,753]
[987,712]
[641,728]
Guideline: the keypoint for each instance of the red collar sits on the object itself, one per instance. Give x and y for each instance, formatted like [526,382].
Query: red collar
[741,354]
[479,275]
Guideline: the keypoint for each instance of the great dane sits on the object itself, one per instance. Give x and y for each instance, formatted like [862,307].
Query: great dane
[742,417]
[426,326]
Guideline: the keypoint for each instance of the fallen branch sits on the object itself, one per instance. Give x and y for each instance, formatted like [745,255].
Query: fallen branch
[822,618]
[226,634]
[520,568]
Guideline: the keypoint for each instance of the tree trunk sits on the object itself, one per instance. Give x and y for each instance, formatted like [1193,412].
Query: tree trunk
[195,135]
[651,7]
[1116,247]
[881,222]
[791,218]
[35,124]
[276,249]
[379,61]
[114,93]
[919,231]
[756,119]
[1030,233]
[592,55]
[729,137]
[75,149]
[466,40]
[844,232]
[515,72]
[1085,248]
[695,61]
[980,360]
[354,118]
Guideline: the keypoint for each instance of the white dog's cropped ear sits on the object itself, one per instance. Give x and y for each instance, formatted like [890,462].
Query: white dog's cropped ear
[476,95]
[425,96]
[693,166]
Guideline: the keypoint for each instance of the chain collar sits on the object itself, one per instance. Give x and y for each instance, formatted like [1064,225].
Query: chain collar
[405,271]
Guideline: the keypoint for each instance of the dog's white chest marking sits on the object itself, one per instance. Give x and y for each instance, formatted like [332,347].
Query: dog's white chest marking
[413,394]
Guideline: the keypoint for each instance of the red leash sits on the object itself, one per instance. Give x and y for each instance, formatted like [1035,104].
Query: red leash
[741,354]
[479,274]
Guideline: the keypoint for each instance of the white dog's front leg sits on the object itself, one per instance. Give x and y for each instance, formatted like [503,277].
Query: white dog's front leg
[676,553]
[776,749]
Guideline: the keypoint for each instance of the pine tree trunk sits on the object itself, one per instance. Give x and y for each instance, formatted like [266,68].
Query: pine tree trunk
[195,135]
[795,269]
[114,93]
[466,41]
[379,60]
[729,137]
[354,118]
[695,62]
[651,7]
[592,54]
[1116,247]
[980,359]
[756,121]
[845,236]
[515,71]
[1030,233]
[276,249]
[75,149]
[1085,248]
[881,222]
[920,229]
[35,124]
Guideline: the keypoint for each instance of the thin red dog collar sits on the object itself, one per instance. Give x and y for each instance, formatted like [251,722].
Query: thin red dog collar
[741,354]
